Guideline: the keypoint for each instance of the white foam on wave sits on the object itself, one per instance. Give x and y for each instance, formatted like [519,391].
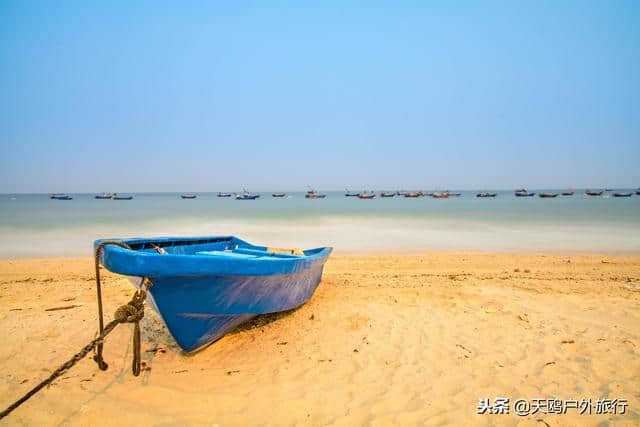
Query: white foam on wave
[347,234]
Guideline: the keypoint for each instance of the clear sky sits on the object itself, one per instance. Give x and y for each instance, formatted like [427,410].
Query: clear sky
[201,96]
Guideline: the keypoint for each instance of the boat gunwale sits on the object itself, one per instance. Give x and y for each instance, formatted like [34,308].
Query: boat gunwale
[140,263]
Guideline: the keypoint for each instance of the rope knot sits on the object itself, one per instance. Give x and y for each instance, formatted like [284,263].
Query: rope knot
[129,313]
[133,311]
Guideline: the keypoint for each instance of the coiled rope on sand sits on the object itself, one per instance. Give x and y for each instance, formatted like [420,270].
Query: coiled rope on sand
[132,312]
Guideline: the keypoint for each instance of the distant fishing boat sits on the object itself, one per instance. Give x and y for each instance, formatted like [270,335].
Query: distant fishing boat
[523,193]
[593,193]
[104,196]
[313,194]
[547,195]
[638,192]
[411,195]
[485,194]
[348,193]
[366,195]
[245,195]
[278,195]
[453,194]
[188,196]
[60,196]
[224,194]
[622,194]
[116,197]
[387,194]
[440,195]
[205,287]
[567,193]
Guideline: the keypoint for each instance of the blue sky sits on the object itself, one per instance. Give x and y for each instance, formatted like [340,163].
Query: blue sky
[201,96]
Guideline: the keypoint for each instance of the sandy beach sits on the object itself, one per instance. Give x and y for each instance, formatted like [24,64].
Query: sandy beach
[412,339]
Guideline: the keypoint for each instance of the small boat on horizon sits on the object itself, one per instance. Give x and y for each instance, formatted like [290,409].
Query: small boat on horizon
[547,195]
[224,194]
[523,193]
[440,195]
[104,196]
[453,194]
[366,195]
[485,194]
[245,195]
[593,193]
[278,195]
[116,197]
[204,287]
[619,194]
[60,196]
[411,195]
[188,196]
[567,193]
[348,193]
[313,194]
[387,194]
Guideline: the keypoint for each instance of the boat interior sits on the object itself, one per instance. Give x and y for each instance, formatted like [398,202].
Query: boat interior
[227,246]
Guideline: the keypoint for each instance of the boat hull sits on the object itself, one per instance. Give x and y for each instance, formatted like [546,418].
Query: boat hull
[201,297]
[199,311]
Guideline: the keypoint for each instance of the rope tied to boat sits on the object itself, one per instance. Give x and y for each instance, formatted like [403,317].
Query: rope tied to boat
[131,312]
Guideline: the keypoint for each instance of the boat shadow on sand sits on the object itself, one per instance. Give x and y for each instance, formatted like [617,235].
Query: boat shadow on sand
[156,335]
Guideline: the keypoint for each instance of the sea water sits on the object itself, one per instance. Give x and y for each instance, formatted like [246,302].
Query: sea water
[33,225]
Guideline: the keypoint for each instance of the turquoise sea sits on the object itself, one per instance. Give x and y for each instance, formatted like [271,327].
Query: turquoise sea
[32,225]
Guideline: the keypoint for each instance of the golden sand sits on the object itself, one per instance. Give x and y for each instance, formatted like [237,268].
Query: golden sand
[386,340]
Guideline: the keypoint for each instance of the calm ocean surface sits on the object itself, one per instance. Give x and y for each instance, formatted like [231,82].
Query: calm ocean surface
[34,225]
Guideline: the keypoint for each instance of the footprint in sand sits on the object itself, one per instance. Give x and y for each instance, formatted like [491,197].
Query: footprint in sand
[491,307]
[357,322]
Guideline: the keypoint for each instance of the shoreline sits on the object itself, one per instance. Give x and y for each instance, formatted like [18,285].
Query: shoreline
[380,252]
[386,338]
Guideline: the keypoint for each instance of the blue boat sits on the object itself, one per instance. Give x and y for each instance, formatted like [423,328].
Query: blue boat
[523,193]
[203,287]
[60,196]
[105,196]
[245,195]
